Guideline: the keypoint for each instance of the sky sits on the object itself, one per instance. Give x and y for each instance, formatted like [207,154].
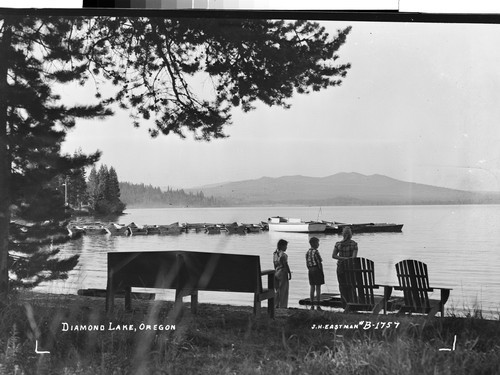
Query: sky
[419,104]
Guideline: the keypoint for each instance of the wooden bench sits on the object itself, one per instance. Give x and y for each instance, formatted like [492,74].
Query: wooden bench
[188,272]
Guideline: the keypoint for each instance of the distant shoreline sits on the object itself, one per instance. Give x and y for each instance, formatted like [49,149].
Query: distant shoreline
[131,206]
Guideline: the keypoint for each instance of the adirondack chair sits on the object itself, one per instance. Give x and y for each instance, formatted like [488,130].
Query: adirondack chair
[414,282]
[357,284]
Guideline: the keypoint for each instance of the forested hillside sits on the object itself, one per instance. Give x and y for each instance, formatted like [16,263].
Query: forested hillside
[341,189]
[140,195]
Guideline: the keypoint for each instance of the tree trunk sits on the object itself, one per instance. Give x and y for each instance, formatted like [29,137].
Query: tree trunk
[5,163]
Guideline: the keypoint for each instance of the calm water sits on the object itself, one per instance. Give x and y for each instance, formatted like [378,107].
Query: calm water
[460,244]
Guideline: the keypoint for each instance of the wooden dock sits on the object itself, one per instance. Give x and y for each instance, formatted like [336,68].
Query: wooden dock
[212,228]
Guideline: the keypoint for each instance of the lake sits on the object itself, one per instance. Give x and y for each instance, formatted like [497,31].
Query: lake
[459,243]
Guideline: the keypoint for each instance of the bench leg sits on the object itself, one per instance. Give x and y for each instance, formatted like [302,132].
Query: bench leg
[194,302]
[128,298]
[110,299]
[177,308]
[270,307]
[256,305]
[110,293]
[178,297]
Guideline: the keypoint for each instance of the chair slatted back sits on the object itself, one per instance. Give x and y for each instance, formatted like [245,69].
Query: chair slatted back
[414,280]
[357,281]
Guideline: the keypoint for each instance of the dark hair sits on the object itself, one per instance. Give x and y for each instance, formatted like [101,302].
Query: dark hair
[313,240]
[282,244]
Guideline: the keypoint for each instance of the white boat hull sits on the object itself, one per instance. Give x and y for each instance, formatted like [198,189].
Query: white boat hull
[297,227]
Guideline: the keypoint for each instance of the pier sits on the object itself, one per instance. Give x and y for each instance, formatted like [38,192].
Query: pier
[132,229]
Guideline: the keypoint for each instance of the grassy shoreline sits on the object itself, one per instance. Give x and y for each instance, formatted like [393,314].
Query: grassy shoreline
[224,339]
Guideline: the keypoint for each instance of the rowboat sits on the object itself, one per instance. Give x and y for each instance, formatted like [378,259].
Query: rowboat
[116,229]
[94,228]
[252,228]
[173,228]
[75,231]
[198,227]
[151,229]
[134,230]
[213,229]
[235,228]
[282,224]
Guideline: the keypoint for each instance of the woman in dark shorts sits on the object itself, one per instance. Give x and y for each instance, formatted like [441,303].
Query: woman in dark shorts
[315,267]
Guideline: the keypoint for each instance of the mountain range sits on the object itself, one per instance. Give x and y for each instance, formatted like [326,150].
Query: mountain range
[340,189]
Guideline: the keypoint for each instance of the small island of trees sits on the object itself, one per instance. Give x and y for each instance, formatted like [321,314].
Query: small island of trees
[99,194]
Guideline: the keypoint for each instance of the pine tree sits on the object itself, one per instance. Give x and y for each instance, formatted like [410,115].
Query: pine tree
[149,61]
[117,206]
[92,189]
[104,191]
[247,61]
[32,127]
[76,186]
[102,204]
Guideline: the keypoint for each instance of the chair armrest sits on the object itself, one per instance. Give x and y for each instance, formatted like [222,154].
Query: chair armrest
[430,289]
[441,288]
[410,288]
[267,272]
[445,292]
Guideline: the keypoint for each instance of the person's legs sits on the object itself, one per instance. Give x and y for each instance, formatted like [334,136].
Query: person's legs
[318,294]
[284,286]
[277,285]
[342,287]
[311,296]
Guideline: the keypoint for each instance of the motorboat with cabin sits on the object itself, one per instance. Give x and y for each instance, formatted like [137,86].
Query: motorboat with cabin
[282,224]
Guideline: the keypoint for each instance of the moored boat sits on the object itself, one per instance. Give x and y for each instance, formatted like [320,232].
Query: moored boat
[152,229]
[94,228]
[116,229]
[253,228]
[134,230]
[75,231]
[282,224]
[336,228]
[173,228]
[213,229]
[235,228]
[197,227]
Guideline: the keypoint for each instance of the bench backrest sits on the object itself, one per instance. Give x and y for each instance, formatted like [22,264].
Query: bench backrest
[185,270]
[414,281]
[357,281]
